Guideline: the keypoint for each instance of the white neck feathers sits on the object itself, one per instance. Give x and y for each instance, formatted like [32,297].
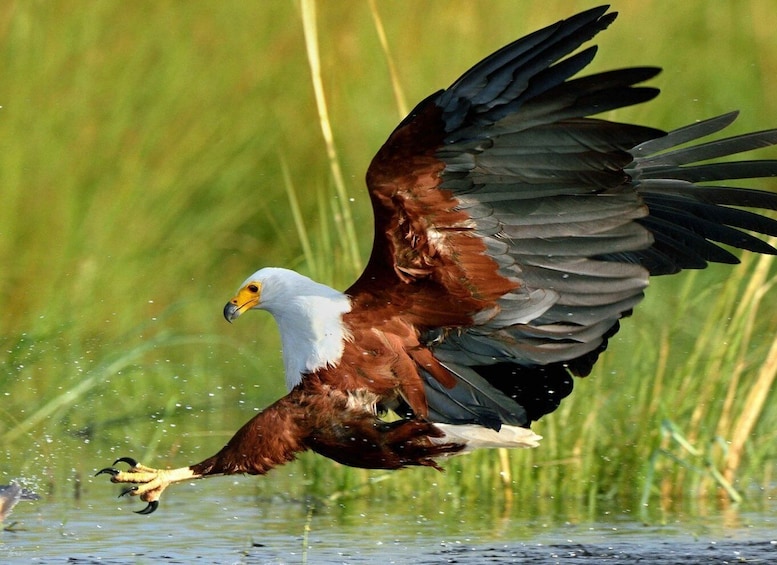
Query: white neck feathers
[310,319]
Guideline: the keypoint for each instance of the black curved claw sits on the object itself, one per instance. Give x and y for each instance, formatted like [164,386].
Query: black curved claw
[108,470]
[127,491]
[128,460]
[152,506]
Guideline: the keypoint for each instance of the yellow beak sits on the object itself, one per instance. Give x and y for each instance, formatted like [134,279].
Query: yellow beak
[246,298]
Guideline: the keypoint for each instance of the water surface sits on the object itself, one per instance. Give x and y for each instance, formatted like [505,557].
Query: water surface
[226,521]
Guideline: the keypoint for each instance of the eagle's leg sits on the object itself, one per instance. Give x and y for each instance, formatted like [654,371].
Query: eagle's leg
[270,438]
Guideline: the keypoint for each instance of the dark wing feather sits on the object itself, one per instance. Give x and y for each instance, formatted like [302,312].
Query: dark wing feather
[515,230]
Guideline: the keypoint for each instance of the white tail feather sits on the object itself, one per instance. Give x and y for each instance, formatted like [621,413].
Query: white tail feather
[474,436]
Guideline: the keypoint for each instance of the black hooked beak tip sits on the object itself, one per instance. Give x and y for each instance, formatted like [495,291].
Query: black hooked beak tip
[231,312]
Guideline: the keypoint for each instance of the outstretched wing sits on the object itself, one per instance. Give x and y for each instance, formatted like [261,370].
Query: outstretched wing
[515,230]
[482,192]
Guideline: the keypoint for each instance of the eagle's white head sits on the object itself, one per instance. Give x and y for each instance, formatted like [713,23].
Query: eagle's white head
[309,317]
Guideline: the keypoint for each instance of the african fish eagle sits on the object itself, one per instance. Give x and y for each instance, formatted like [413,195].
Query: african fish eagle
[513,231]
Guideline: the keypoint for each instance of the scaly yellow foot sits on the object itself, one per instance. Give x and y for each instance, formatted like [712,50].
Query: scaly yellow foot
[150,482]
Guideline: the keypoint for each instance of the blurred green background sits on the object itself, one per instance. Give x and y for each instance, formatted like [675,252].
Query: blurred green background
[149,152]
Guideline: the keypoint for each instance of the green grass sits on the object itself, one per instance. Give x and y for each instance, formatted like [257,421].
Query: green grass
[155,155]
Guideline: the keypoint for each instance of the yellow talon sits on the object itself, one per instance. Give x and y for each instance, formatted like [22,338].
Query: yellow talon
[149,482]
